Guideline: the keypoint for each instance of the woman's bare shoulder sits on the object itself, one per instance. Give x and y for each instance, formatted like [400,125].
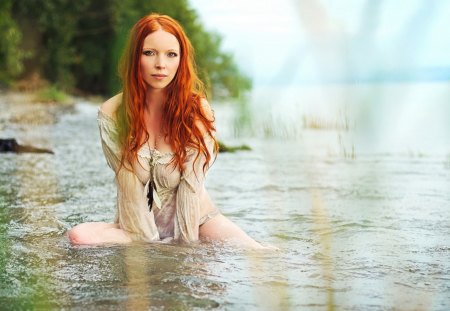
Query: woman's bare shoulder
[110,106]
[208,113]
[206,108]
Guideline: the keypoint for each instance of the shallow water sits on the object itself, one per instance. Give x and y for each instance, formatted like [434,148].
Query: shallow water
[364,232]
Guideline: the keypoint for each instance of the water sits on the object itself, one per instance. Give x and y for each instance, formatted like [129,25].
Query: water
[362,231]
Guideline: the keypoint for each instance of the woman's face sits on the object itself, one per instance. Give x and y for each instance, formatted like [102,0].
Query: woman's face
[160,59]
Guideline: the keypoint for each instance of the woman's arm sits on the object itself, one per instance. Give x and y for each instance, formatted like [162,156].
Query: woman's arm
[109,132]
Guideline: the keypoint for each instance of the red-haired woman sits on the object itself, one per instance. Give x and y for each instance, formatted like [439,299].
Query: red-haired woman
[158,137]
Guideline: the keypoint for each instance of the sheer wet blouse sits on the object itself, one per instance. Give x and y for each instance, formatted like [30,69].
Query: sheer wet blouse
[180,201]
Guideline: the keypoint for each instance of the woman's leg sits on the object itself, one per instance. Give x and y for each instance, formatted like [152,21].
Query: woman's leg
[97,233]
[220,228]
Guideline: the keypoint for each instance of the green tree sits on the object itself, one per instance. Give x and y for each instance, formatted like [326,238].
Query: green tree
[11,56]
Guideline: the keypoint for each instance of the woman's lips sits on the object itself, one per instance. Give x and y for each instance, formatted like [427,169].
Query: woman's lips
[159,76]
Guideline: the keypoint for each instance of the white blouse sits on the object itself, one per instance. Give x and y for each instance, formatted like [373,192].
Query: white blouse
[180,201]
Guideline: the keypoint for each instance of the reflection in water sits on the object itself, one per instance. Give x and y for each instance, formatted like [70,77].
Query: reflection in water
[138,285]
[323,231]
[169,276]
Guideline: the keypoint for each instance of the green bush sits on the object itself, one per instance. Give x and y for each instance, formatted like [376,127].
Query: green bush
[51,94]
[11,56]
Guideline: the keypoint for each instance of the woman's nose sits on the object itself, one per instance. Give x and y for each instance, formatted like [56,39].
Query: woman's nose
[160,63]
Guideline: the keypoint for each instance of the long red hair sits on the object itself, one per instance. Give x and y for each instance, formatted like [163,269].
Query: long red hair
[183,110]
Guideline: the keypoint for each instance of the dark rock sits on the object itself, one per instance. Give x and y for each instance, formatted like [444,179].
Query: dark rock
[11,145]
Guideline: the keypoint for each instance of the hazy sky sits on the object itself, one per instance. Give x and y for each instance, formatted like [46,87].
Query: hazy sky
[294,41]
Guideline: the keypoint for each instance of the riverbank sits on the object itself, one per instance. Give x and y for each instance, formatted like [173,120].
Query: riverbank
[28,119]
[23,108]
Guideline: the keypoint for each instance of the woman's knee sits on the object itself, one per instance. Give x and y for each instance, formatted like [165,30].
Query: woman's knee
[74,235]
[83,233]
[222,229]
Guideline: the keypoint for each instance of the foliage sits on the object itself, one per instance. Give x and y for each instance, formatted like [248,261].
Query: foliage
[51,94]
[11,56]
[77,44]
[51,27]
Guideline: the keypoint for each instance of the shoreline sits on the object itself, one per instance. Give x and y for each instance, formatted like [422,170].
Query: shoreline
[27,121]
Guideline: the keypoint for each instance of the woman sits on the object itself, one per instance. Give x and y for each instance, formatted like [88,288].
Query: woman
[158,137]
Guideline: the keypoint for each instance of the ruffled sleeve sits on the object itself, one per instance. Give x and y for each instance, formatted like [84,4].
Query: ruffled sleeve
[132,214]
[110,140]
[189,192]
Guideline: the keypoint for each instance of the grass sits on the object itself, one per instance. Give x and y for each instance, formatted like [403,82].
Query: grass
[51,94]
[316,123]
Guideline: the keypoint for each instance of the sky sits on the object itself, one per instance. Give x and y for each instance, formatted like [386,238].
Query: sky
[303,41]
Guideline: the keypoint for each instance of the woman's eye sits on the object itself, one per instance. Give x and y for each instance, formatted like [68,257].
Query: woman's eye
[173,54]
[149,53]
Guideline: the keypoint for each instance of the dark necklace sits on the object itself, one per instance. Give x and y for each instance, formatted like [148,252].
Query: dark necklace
[151,184]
